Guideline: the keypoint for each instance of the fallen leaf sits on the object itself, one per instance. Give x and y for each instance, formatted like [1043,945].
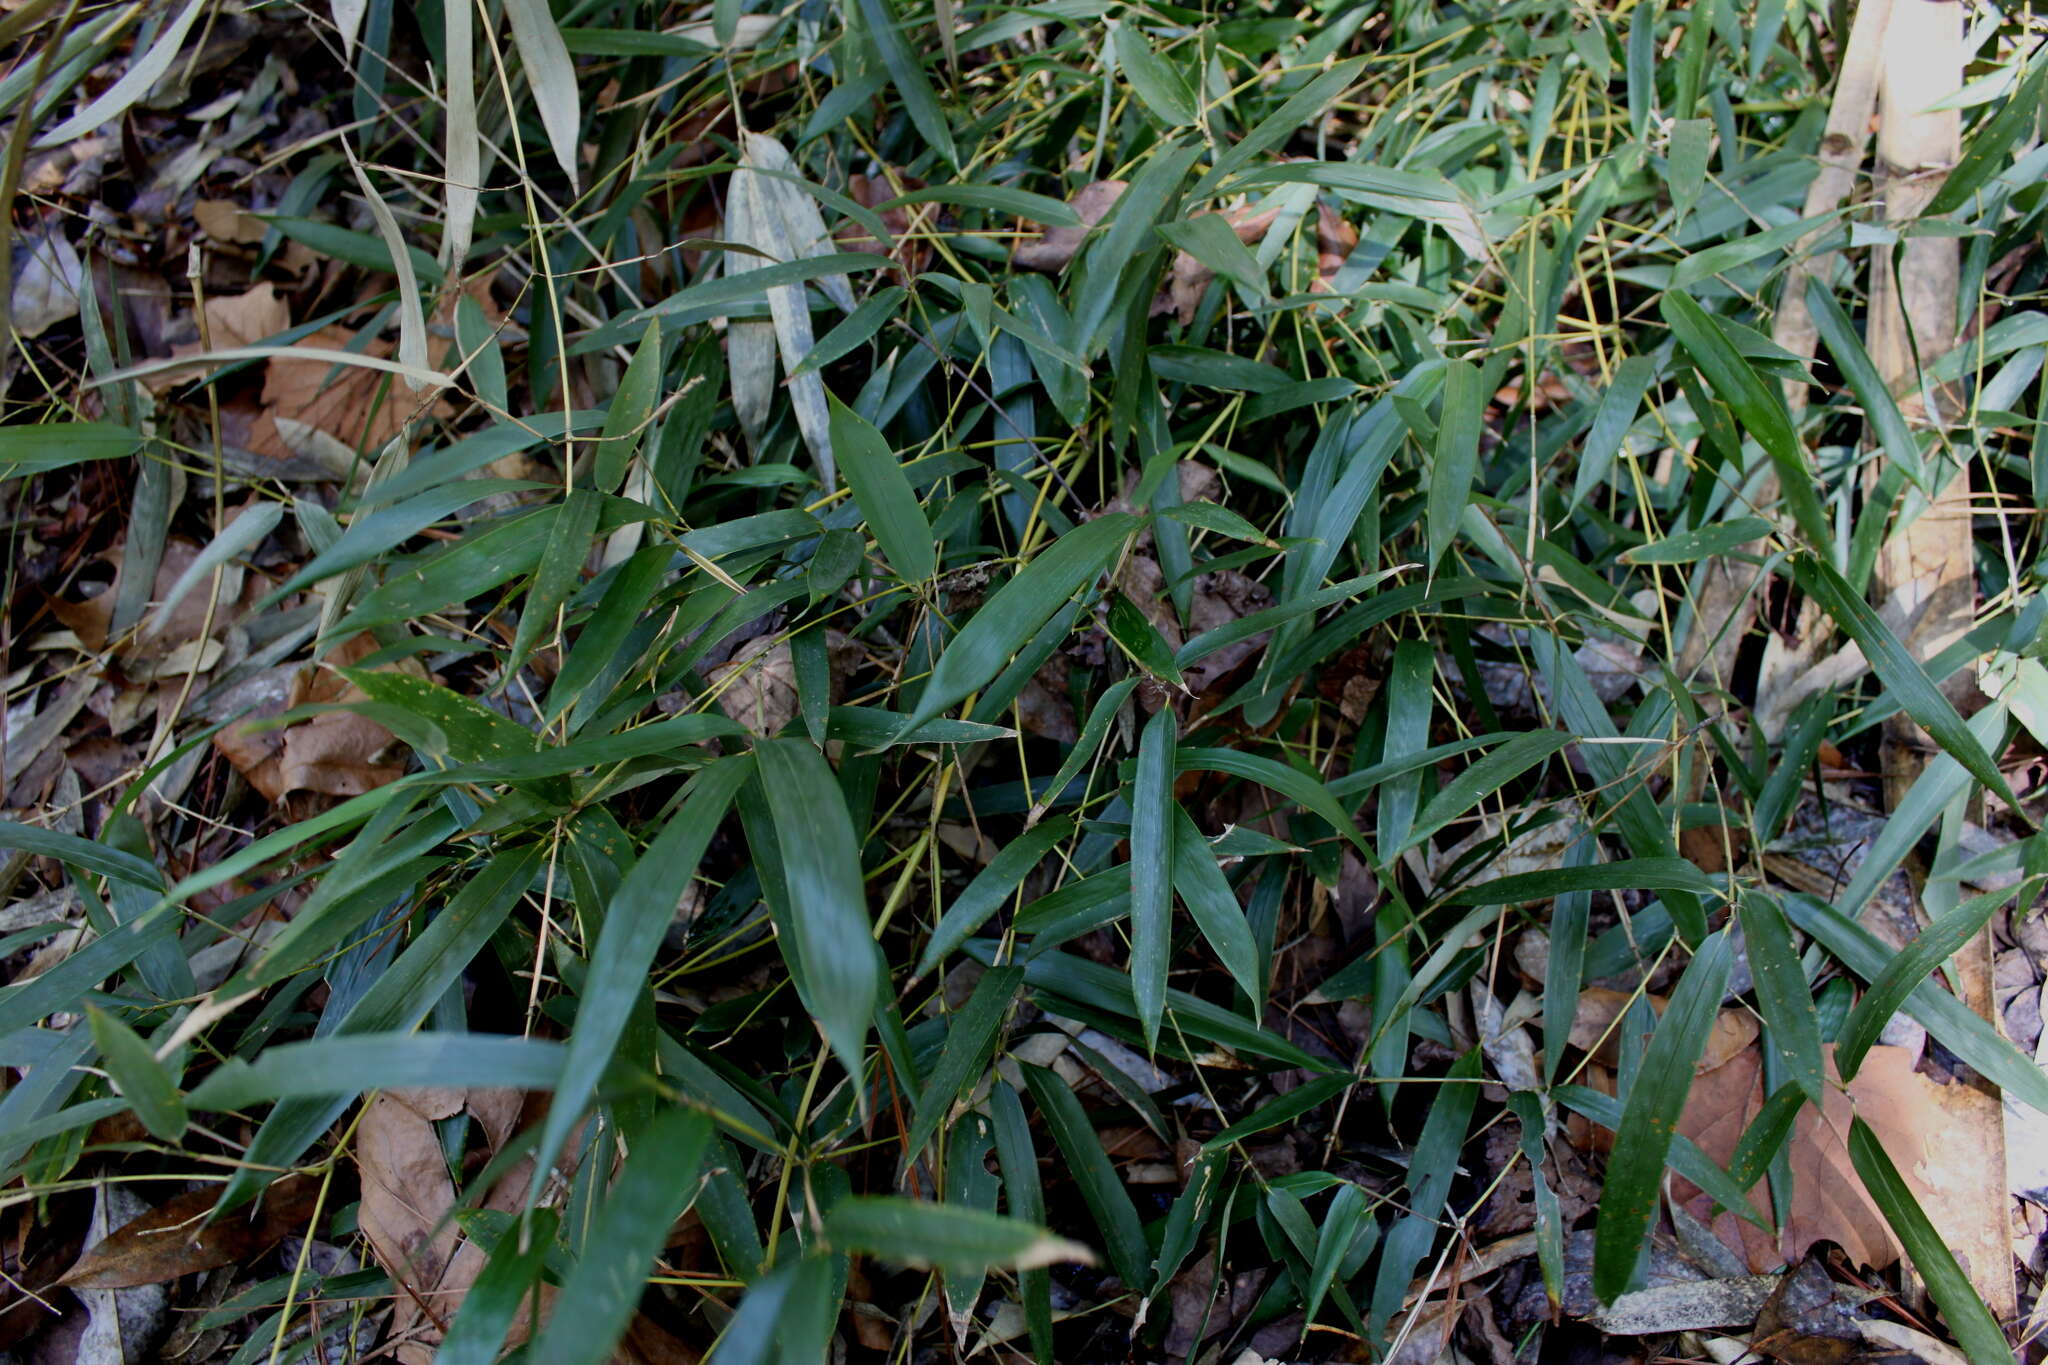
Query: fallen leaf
[123,1325]
[1188,279]
[1686,1307]
[1924,1125]
[1809,1319]
[757,686]
[336,753]
[1055,246]
[175,1239]
[46,285]
[227,221]
[143,654]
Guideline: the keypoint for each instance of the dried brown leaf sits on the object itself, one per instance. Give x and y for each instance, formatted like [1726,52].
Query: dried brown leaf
[176,1239]
[1055,246]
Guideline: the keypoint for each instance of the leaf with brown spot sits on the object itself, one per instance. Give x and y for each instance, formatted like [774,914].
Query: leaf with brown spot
[176,1240]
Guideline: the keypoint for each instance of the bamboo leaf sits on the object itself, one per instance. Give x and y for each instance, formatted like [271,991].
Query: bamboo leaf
[1635,1172]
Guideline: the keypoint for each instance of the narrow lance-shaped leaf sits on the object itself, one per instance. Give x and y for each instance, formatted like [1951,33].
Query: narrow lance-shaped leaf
[555,577]
[636,919]
[1760,406]
[1900,672]
[1207,894]
[552,77]
[950,1236]
[632,408]
[1782,993]
[1937,943]
[1968,1318]
[1152,871]
[820,853]
[1457,455]
[1101,1190]
[500,1291]
[883,493]
[1018,1159]
[971,1036]
[1649,1118]
[145,1082]
[658,1184]
[1015,611]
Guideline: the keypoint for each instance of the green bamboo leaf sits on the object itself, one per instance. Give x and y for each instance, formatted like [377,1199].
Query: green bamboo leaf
[1766,1135]
[556,576]
[1900,672]
[1152,839]
[1018,1159]
[1207,894]
[1760,406]
[1107,990]
[883,493]
[1295,785]
[1563,973]
[1431,1168]
[854,331]
[1529,1114]
[440,721]
[1613,417]
[971,1037]
[1989,142]
[636,919]
[343,1066]
[552,77]
[778,1309]
[1957,1027]
[53,445]
[1140,639]
[835,960]
[1092,732]
[1974,1327]
[500,1291]
[839,553]
[1935,945]
[993,885]
[1040,208]
[949,1236]
[1505,763]
[1159,86]
[1872,394]
[1635,1171]
[1209,369]
[906,72]
[1348,1212]
[83,855]
[1210,239]
[1457,455]
[1109,1203]
[1631,874]
[1209,516]
[632,408]
[1013,614]
[1685,1156]
[145,1082]
[1721,538]
[1782,994]
[1686,170]
[659,1182]
[1284,1109]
